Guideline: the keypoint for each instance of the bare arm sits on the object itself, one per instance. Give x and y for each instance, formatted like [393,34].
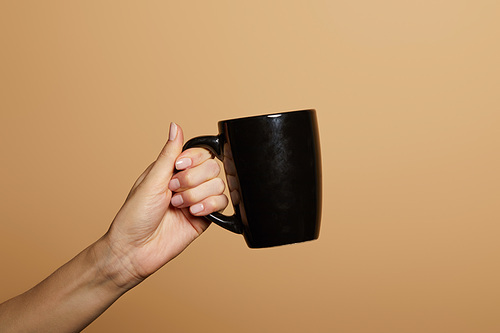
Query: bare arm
[68,300]
[147,232]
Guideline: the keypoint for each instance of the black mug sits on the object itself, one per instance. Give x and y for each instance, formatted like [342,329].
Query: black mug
[273,171]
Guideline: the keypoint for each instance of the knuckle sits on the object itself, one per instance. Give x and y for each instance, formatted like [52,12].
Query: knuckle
[225,202]
[197,155]
[188,197]
[214,167]
[204,154]
[218,203]
[220,185]
[187,179]
[211,204]
[164,152]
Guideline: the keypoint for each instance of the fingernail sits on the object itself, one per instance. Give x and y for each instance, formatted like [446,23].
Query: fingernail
[183,163]
[177,200]
[196,208]
[174,184]
[173,132]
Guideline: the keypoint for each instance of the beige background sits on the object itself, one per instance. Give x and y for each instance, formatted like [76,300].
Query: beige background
[407,94]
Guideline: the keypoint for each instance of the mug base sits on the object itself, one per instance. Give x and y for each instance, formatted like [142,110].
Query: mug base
[267,245]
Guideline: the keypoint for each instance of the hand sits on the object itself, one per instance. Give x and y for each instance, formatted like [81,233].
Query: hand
[147,232]
[153,227]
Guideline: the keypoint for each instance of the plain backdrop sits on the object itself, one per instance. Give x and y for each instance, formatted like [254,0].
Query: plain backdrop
[407,95]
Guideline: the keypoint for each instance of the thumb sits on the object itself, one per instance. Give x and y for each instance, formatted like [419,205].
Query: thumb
[163,168]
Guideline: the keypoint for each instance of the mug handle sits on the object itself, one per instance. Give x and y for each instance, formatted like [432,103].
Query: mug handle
[213,144]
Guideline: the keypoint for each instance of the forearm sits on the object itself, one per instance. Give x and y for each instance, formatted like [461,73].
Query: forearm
[69,299]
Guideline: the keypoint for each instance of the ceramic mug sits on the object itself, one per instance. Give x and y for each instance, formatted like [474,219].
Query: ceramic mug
[273,170]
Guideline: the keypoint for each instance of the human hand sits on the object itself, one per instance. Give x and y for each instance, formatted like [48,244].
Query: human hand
[153,227]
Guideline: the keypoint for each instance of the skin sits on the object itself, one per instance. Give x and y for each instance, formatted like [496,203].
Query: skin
[161,216]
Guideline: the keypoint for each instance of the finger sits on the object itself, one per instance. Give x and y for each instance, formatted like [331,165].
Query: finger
[163,168]
[209,205]
[194,176]
[192,196]
[192,157]
[142,176]
[199,224]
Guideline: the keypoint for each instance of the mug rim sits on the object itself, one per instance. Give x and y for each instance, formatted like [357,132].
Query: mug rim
[268,115]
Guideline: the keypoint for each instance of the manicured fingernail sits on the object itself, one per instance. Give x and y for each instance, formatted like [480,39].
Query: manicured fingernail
[196,208]
[177,200]
[173,132]
[174,184]
[183,163]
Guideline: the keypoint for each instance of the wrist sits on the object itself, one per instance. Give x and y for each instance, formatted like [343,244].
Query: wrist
[114,266]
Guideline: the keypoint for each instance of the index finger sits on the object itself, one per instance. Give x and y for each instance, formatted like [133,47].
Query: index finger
[192,157]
